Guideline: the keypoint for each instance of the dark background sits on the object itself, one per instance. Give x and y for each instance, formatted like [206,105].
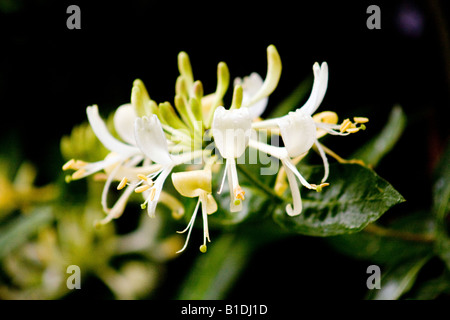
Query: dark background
[49,75]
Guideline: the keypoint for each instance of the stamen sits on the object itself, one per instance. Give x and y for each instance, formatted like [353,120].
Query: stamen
[319,187]
[361,119]
[78,174]
[142,177]
[353,130]
[203,248]
[100,176]
[239,193]
[152,194]
[122,183]
[345,125]
[68,165]
[142,188]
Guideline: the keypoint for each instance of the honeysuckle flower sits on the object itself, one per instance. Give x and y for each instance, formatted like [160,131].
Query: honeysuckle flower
[251,85]
[193,184]
[155,138]
[231,130]
[150,138]
[292,174]
[121,160]
[301,130]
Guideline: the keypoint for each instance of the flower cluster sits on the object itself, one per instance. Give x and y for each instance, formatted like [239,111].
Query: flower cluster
[198,130]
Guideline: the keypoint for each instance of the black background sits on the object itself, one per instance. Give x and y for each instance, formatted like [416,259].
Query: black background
[49,75]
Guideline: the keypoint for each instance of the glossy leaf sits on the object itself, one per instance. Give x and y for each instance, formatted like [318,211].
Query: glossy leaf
[373,151]
[398,280]
[384,249]
[356,197]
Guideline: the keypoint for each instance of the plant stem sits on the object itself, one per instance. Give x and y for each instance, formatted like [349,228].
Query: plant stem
[403,235]
[259,184]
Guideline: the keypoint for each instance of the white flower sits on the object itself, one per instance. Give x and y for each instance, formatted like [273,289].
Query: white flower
[231,130]
[192,184]
[251,85]
[150,138]
[120,162]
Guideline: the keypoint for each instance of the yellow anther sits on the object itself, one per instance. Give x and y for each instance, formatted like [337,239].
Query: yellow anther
[142,188]
[345,125]
[152,194]
[142,177]
[122,183]
[100,176]
[326,117]
[352,130]
[78,174]
[325,184]
[361,119]
[68,165]
[203,248]
[79,164]
[239,193]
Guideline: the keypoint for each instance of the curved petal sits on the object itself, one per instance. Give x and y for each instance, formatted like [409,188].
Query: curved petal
[298,131]
[231,130]
[106,138]
[295,192]
[124,118]
[151,140]
[319,88]
[155,191]
[251,85]
[325,161]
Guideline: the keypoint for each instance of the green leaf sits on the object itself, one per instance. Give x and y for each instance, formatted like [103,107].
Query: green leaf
[432,289]
[441,188]
[372,152]
[214,272]
[22,228]
[385,249]
[398,280]
[292,101]
[356,197]
[441,206]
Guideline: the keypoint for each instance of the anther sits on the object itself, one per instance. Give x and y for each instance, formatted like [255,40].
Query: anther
[78,174]
[142,177]
[142,188]
[353,130]
[152,194]
[203,248]
[68,165]
[361,119]
[345,125]
[122,183]
[239,193]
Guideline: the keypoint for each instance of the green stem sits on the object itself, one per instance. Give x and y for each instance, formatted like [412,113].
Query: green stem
[403,235]
[259,184]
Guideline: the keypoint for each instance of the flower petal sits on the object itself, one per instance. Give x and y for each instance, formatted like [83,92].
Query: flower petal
[231,130]
[319,88]
[124,118]
[151,140]
[298,132]
[103,134]
[295,192]
[251,85]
